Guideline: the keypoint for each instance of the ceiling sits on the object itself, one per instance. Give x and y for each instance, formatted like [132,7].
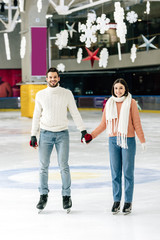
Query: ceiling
[108,8]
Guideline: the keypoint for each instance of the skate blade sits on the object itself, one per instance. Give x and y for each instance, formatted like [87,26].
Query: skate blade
[68,210]
[40,210]
[114,213]
[126,213]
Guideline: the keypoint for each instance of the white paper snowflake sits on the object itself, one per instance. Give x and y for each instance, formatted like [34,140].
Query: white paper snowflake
[102,23]
[61,67]
[79,55]
[91,16]
[121,26]
[62,39]
[133,53]
[39,5]
[132,17]
[103,61]
[89,33]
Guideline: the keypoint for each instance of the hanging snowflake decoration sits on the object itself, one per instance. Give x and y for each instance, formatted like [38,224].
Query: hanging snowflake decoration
[61,67]
[121,26]
[132,17]
[103,61]
[79,55]
[89,30]
[91,16]
[102,23]
[148,7]
[133,53]
[62,39]
[39,5]
[23,47]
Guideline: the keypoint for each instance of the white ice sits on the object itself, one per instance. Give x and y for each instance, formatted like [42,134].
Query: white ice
[90,218]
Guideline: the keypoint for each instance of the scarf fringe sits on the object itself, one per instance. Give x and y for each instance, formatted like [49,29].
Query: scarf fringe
[115,125]
[122,140]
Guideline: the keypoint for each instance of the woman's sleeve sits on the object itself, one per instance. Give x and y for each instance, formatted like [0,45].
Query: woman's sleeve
[136,121]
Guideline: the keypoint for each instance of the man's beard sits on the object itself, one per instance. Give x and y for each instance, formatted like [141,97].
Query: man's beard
[54,85]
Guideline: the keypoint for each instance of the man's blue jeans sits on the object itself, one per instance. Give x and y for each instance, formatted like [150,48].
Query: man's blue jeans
[121,158]
[46,143]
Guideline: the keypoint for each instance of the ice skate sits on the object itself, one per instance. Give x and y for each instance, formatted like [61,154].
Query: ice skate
[67,203]
[42,202]
[127,208]
[115,208]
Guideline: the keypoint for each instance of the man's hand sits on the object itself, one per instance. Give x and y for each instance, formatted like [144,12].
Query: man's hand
[33,142]
[86,137]
[84,132]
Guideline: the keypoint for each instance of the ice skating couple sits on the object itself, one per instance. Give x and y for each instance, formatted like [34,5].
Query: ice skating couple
[120,117]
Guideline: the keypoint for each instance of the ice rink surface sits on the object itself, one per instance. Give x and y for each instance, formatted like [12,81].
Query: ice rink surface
[90,218]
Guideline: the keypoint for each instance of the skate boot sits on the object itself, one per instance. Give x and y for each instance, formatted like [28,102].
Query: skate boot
[67,203]
[42,202]
[116,207]
[127,208]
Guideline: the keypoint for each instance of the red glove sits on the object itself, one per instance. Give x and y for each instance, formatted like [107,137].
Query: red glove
[88,137]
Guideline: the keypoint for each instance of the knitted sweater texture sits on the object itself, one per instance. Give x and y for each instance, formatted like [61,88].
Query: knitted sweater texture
[134,124]
[50,111]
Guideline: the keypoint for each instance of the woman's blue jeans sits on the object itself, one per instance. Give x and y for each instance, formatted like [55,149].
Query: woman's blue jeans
[121,158]
[46,143]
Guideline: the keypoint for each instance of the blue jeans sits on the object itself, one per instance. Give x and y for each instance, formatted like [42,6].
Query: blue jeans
[46,143]
[121,158]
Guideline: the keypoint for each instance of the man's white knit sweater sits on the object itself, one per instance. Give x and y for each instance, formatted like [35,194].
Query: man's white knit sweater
[50,111]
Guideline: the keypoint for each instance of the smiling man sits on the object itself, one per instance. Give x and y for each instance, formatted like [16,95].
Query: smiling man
[50,117]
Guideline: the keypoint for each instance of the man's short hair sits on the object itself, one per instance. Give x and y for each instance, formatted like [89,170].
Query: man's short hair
[52,69]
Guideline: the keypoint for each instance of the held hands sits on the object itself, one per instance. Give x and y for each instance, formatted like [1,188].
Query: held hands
[33,142]
[86,137]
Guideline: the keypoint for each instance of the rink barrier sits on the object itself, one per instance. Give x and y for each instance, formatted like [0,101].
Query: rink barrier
[82,109]
[10,110]
[148,104]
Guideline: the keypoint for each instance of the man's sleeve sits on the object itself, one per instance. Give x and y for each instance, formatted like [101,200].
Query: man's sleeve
[36,117]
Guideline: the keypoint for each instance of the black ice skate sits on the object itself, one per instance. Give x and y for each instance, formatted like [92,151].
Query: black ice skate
[42,202]
[116,207]
[127,208]
[67,203]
